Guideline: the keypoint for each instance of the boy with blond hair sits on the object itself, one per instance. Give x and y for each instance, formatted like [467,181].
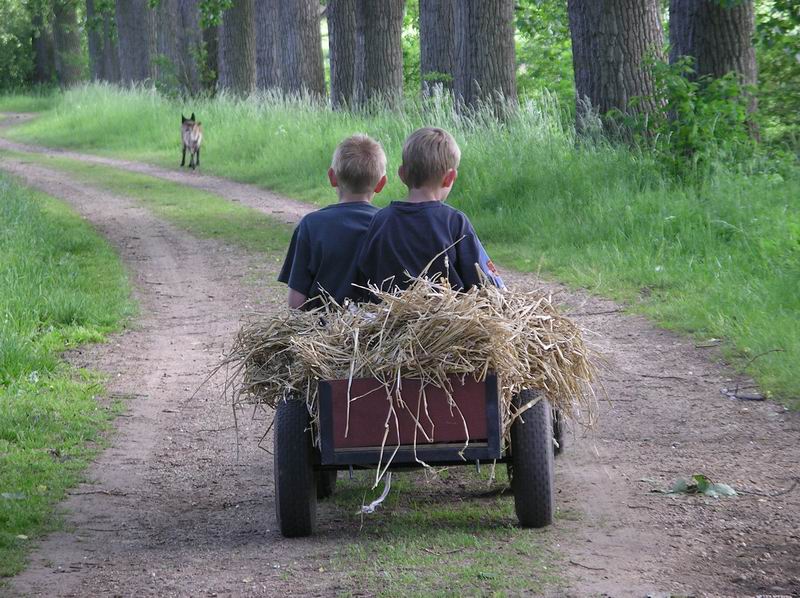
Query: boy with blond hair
[408,235]
[324,248]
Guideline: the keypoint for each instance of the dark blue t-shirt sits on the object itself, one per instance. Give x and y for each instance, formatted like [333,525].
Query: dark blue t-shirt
[324,250]
[405,237]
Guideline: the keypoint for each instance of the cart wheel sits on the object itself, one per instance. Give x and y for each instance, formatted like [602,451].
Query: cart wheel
[326,483]
[532,463]
[295,482]
[558,431]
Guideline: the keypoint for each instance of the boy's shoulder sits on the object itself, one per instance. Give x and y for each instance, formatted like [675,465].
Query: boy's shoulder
[339,211]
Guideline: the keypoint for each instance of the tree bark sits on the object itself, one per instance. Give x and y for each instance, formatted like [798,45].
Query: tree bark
[136,29]
[719,39]
[301,48]
[485,69]
[611,40]
[167,54]
[110,54]
[268,40]
[67,41]
[210,74]
[381,50]
[190,42]
[342,51]
[437,42]
[237,47]
[44,66]
[94,35]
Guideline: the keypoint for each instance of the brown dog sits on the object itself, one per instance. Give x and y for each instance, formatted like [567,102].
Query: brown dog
[192,137]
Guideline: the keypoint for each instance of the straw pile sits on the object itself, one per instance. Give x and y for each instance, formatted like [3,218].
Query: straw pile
[427,332]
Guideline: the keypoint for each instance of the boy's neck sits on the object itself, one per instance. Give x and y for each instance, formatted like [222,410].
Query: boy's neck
[346,197]
[423,194]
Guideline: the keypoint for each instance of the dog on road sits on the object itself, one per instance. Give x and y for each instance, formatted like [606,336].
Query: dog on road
[192,137]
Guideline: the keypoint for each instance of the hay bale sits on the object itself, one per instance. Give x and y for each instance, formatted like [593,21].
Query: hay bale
[427,332]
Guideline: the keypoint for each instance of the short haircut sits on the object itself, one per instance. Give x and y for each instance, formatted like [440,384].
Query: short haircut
[359,163]
[428,154]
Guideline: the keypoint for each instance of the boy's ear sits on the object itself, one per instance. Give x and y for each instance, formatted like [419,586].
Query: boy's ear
[183,119]
[401,173]
[449,178]
[381,184]
[332,178]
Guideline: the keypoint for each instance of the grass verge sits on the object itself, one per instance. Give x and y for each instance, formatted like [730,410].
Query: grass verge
[203,214]
[453,536]
[61,286]
[716,257]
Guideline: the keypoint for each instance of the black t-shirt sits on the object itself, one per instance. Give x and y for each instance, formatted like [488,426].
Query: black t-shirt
[324,250]
[405,237]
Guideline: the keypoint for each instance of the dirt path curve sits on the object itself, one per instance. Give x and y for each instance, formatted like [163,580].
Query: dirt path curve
[171,512]
[281,208]
[667,420]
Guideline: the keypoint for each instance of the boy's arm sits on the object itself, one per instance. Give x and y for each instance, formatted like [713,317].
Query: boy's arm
[295,271]
[469,252]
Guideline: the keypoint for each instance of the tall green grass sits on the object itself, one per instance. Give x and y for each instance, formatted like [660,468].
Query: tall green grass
[61,285]
[716,256]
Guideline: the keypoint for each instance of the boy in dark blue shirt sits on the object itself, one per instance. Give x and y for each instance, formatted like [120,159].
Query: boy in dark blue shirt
[325,244]
[407,235]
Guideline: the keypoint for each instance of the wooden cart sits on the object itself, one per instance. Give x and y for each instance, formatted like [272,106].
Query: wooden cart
[352,436]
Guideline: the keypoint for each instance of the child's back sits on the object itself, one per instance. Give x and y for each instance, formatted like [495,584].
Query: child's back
[408,236]
[326,243]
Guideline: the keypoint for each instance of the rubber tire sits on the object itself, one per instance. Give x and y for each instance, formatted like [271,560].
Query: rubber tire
[326,483]
[295,479]
[532,463]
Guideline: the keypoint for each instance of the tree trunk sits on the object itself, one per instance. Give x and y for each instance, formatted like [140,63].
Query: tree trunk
[342,51]
[94,35]
[167,54]
[136,29]
[719,39]
[610,41]
[210,73]
[67,38]
[237,48]
[301,48]
[268,40]
[190,43]
[485,69]
[381,50]
[437,42]
[44,66]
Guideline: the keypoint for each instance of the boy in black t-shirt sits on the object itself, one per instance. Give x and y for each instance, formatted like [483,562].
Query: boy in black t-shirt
[325,244]
[407,235]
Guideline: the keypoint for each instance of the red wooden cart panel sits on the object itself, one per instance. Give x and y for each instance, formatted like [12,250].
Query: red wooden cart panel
[370,413]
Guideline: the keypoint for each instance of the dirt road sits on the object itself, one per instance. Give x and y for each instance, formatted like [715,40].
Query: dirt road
[173,512]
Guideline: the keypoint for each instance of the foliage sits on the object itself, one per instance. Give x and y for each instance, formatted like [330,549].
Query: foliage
[544,50]
[703,122]
[778,55]
[16,58]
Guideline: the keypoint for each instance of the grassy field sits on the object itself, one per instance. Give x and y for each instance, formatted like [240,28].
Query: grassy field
[716,256]
[61,286]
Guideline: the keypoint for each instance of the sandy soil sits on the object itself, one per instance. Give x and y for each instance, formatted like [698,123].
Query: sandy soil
[172,511]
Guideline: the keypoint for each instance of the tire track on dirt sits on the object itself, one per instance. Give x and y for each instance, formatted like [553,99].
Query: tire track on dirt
[667,420]
[170,510]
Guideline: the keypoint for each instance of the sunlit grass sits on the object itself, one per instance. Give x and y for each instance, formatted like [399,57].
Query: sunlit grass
[61,285]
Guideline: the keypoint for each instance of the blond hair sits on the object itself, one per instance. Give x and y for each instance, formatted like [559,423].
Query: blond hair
[359,163]
[428,154]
